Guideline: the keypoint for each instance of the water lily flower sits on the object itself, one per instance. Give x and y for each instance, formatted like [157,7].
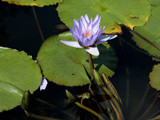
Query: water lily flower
[44,84]
[88,34]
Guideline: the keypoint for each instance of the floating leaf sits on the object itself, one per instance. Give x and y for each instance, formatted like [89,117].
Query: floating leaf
[39,3]
[150,31]
[155,77]
[154,2]
[113,12]
[66,65]
[18,72]
[25,103]
[10,96]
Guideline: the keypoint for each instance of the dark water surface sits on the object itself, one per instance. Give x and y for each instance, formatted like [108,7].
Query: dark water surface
[18,30]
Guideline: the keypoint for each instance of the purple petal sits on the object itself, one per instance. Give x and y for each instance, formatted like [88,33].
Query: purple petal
[101,31]
[74,33]
[71,43]
[84,22]
[77,30]
[95,29]
[43,84]
[85,42]
[75,23]
[95,19]
[104,38]
[83,26]
[93,50]
[96,23]
[81,29]
[90,25]
[86,18]
[94,38]
[112,36]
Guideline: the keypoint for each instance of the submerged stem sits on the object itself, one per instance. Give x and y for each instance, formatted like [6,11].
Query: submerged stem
[98,105]
[145,39]
[91,64]
[39,117]
[90,110]
[38,25]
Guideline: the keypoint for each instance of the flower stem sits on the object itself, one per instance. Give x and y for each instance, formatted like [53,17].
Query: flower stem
[91,64]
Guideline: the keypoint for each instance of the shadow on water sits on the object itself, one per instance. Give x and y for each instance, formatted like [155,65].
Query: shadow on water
[106,57]
[132,82]
[18,30]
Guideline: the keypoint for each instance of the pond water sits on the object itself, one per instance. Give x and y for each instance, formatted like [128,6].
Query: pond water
[18,30]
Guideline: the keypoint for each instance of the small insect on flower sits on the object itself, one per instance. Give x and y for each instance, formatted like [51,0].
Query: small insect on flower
[88,34]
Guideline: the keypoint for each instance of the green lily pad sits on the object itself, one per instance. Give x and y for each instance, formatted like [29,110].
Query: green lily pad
[11,96]
[39,3]
[154,2]
[150,31]
[67,66]
[155,77]
[113,12]
[18,72]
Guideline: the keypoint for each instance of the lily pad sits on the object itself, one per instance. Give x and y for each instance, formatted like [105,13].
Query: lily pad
[155,77]
[150,31]
[154,2]
[11,96]
[18,72]
[67,66]
[113,12]
[39,3]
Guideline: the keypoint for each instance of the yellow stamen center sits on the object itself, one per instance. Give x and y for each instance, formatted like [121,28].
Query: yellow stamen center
[87,34]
